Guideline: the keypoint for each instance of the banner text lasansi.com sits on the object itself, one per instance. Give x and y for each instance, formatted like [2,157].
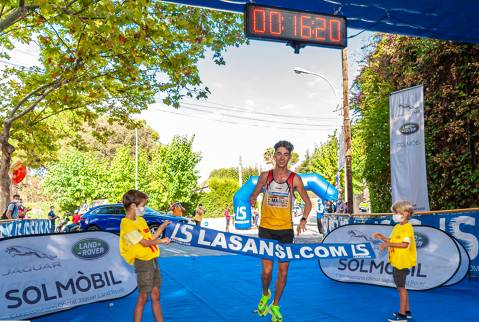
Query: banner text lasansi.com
[264,248]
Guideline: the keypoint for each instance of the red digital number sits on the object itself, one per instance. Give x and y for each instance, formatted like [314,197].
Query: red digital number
[321,30]
[278,25]
[259,14]
[305,27]
[337,37]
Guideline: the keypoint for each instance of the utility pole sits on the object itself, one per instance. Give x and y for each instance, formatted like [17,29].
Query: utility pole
[347,134]
[136,159]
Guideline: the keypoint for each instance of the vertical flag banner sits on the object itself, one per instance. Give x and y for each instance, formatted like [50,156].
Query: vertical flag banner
[408,156]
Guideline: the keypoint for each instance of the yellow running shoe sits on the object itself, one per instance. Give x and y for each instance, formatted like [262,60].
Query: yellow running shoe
[275,313]
[263,304]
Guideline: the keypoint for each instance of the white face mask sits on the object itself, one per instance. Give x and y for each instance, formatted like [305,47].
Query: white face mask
[140,211]
[398,218]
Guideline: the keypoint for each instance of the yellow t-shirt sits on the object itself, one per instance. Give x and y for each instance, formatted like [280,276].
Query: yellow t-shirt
[402,257]
[131,233]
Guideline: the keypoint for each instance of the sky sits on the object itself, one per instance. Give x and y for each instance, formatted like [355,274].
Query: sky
[256,100]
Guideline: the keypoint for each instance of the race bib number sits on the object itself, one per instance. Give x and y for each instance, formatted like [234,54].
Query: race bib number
[278,200]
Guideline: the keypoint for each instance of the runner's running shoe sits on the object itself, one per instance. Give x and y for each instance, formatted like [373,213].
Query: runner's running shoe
[275,313]
[263,304]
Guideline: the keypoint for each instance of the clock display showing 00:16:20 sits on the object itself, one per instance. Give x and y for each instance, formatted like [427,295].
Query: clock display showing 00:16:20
[303,27]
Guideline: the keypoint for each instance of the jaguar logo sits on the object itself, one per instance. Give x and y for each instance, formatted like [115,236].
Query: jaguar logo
[90,248]
[26,251]
[359,235]
[409,128]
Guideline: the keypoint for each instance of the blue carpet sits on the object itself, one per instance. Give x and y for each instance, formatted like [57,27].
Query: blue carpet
[227,288]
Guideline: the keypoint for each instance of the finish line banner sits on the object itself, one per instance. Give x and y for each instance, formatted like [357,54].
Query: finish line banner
[49,273]
[264,248]
[441,260]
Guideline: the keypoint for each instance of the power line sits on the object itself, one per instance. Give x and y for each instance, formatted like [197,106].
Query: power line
[258,119]
[248,124]
[244,110]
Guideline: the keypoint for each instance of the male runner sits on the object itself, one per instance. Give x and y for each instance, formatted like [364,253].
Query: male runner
[276,223]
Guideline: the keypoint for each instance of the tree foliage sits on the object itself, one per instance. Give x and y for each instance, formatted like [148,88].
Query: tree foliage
[76,178]
[99,58]
[449,73]
[221,191]
[167,173]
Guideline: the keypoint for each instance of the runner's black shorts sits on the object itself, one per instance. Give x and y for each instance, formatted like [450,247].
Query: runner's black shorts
[284,236]
[399,276]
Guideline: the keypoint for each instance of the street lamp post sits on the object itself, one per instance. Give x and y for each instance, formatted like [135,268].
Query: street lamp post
[346,125]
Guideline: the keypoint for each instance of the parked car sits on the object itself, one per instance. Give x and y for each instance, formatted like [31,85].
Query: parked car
[108,217]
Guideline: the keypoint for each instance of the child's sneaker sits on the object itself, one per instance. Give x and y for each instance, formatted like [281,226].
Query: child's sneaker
[398,317]
[408,315]
[275,313]
[263,304]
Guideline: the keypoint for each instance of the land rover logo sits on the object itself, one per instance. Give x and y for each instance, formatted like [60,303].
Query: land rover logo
[90,248]
[421,240]
[409,128]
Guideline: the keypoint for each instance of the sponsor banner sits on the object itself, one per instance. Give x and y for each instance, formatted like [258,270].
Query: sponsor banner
[462,225]
[463,268]
[24,227]
[438,258]
[408,156]
[50,273]
[265,248]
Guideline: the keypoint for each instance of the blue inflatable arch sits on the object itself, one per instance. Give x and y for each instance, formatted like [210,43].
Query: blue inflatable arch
[312,182]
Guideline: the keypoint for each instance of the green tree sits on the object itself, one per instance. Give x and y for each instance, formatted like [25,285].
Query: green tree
[448,72]
[232,173]
[173,173]
[101,58]
[221,191]
[121,173]
[76,178]
[323,160]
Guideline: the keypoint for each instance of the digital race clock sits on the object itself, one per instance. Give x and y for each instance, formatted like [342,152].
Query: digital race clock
[296,27]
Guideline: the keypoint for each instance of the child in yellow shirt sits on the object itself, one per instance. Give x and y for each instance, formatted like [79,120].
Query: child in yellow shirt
[402,254]
[139,248]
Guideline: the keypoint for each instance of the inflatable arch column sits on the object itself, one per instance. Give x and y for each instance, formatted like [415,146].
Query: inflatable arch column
[242,208]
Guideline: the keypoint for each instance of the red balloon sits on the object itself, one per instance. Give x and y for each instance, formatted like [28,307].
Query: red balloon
[19,173]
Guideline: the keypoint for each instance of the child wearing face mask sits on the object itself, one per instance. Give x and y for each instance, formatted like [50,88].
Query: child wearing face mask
[402,254]
[139,248]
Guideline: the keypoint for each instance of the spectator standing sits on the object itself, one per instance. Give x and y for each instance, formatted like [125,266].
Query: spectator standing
[12,209]
[52,217]
[227,218]
[199,212]
[177,209]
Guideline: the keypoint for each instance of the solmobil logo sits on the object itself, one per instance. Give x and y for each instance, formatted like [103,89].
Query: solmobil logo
[90,248]
[409,128]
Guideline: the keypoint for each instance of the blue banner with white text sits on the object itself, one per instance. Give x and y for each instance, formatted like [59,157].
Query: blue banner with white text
[10,228]
[264,248]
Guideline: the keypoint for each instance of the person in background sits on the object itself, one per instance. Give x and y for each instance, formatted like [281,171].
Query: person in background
[177,209]
[52,217]
[319,216]
[227,218]
[22,210]
[199,212]
[12,209]
[76,216]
